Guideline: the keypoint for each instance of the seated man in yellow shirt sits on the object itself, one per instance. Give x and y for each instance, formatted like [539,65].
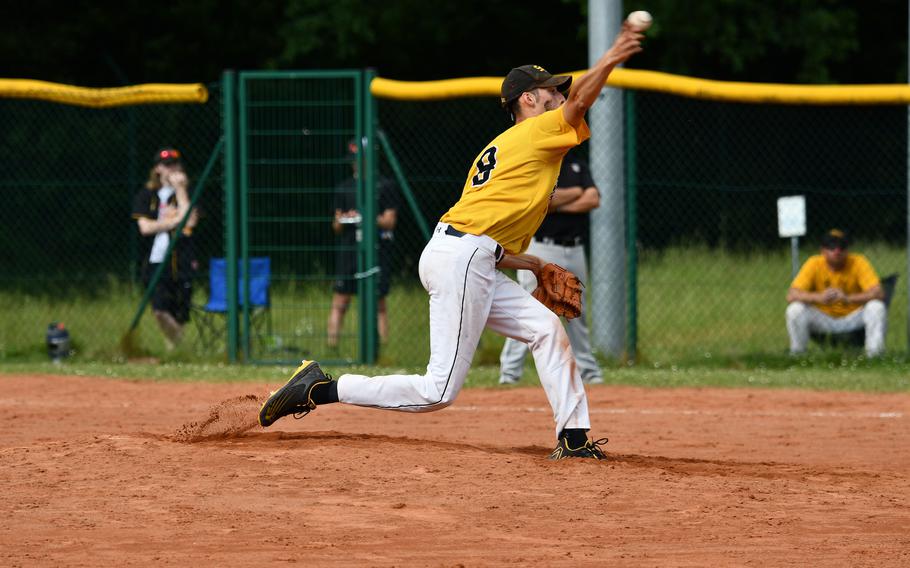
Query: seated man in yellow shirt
[836,292]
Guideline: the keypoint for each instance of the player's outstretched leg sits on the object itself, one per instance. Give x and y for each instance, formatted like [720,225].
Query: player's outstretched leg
[296,396]
[588,449]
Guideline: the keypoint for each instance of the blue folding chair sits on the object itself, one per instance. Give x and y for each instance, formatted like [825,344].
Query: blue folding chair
[210,318]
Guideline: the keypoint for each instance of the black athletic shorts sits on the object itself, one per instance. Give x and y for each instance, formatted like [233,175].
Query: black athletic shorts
[346,266]
[171,295]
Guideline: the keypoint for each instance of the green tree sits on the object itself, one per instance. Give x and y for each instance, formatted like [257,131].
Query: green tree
[802,41]
[419,40]
[102,44]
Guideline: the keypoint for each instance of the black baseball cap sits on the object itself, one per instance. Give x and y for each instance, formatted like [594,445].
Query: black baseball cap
[835,238]
[167,156]
[530,77]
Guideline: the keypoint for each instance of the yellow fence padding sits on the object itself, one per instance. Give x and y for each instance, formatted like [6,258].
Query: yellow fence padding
[149,93]
[776,93]
[666,83]
[435,90]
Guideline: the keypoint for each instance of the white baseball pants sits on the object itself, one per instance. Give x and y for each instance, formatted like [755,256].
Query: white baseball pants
[803,319]
[468,293]
[512,358]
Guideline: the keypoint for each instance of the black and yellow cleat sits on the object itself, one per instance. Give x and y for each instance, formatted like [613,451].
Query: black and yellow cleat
[590,449]
[296,396]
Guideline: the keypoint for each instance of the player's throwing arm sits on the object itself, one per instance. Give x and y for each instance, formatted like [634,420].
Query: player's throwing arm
[586,88]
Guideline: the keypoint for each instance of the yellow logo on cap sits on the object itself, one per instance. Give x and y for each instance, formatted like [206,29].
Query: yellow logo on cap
[539,68]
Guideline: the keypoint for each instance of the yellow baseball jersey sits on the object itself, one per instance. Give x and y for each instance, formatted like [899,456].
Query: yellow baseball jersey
[856,276]
[510,184]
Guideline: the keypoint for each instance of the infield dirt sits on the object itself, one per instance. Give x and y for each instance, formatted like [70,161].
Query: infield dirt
[130,473]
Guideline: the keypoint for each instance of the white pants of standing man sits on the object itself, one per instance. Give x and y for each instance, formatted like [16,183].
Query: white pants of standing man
[803,319]
[512,358]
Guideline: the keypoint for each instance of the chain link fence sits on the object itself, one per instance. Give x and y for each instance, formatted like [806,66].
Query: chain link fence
[435,144]
[69,246]
[711,273]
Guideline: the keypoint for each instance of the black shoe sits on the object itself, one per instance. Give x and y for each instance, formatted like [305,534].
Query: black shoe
[591,449]
[296,396]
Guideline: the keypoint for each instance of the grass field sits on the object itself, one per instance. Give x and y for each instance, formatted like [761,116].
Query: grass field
[699,303]
[814,372]
[698,308]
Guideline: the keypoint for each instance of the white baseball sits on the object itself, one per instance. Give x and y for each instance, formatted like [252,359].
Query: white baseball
[640,20]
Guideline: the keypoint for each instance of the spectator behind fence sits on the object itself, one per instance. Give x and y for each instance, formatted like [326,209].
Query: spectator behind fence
[561,240]
[158,209]
[836,292]
[347,226]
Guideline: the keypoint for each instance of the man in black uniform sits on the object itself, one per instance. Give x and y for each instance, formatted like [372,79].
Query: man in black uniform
[347,226]
[561,239]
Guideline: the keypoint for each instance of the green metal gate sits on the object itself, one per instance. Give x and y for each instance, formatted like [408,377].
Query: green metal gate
[289,152]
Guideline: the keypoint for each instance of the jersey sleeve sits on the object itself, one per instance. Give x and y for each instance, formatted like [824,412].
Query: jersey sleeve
[142,205]
[865,274]
[552,134]
[806,276]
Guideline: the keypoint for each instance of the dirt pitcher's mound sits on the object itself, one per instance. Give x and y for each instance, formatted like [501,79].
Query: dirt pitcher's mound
[94,474]
[227,419]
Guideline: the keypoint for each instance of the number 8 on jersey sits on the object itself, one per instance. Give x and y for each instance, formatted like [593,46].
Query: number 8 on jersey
[485,166]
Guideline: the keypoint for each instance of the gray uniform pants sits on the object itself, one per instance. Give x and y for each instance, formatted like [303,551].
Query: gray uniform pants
[513,353]
[804,318]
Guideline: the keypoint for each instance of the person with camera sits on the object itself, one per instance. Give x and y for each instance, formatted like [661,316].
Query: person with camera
[158,209]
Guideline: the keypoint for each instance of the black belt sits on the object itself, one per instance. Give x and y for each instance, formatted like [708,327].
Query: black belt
[452,231]
[575,242]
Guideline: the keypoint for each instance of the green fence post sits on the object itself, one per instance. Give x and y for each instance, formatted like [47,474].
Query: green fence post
[403,183]
[631,231]
[368,273]
[244,206]
[132,164]
[229,124]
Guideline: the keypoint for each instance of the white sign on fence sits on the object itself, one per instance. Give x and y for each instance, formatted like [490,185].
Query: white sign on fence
[791,216]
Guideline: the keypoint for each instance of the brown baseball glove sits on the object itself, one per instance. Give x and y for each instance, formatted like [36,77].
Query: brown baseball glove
[559,290]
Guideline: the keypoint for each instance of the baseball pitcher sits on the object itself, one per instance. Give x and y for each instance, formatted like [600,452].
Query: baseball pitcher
[504,201]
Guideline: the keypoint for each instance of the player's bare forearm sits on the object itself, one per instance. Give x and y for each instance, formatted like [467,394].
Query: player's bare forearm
[521,262]
[586,88]
[387,219]
[874,293]
[179,182]
[148,227]
[588,200]
[797,295]
[564,196]
[833,295]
